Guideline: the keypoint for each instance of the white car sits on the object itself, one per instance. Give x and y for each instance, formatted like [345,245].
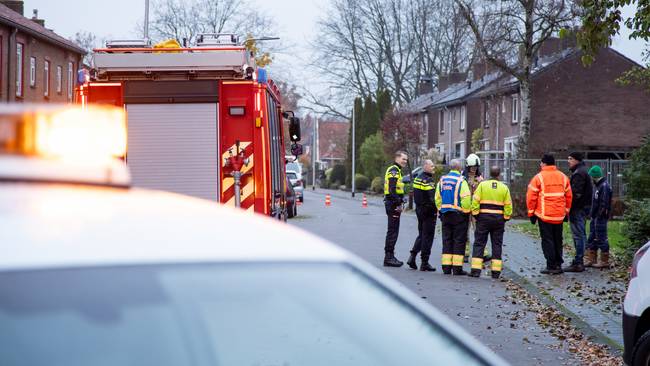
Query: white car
[297,183]
[636,311]
[93,272]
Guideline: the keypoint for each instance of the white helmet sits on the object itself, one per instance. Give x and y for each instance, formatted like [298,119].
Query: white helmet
[473,160]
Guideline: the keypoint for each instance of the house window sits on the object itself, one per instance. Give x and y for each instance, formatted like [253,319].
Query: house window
[32,72]
[448,113]
[425,128]
[441,121]
[485,144]
[440,148]
[70,81]
[503,105]
[515,109]
[486,114]
[46,78]
[463,117]
[59,79]
[510,146]
[459,149]
[19,69]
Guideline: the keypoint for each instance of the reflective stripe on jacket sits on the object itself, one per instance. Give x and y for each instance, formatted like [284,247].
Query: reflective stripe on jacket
[393,184]
[549,195]
[424,191]
[492,197]
[452,193]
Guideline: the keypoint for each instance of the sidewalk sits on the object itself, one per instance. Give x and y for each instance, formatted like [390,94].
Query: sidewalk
[591,296]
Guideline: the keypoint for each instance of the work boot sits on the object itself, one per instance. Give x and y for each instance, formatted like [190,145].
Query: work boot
[495,274]
[458,271]
[411,261]
[551,270]
[603,262]
[475,273]
[391,261]
[446,270]
[590,257]
[574,267]
[545,271]
[426,267]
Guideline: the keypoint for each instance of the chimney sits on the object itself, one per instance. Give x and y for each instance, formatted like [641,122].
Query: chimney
[36,20]
[443,82]
[456,77]
[15,5]
[426,86]
[479,69]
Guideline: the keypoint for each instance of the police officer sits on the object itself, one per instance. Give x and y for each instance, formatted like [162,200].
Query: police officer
[393,200]
[453,200]
[425,209]
[492,207]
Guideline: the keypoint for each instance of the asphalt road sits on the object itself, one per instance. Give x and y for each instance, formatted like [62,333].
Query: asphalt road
[482,306]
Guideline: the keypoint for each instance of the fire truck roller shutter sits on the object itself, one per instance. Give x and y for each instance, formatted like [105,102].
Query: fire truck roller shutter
[173,147]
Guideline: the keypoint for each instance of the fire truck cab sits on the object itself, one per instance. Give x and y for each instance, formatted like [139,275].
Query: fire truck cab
[202,121]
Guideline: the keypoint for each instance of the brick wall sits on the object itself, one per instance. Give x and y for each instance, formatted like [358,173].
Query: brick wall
[41,51]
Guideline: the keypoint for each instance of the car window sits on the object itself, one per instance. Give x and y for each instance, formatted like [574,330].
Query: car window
[293,166]
[258,314]
[292,175]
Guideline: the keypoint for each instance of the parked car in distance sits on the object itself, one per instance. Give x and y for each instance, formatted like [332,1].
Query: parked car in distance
[297,183]
[292,209]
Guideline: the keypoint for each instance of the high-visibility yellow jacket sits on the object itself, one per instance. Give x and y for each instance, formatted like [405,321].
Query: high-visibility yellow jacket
[549,195]
[492,197]
[452,193]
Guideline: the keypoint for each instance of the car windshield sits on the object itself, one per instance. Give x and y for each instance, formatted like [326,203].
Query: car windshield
[293,166]
[235,314]
[292,175]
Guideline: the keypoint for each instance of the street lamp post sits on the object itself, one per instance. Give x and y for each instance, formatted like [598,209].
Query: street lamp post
[353,154]
[314,155]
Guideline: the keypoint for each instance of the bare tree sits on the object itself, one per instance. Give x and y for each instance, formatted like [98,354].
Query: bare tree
[86,40]
[503,27]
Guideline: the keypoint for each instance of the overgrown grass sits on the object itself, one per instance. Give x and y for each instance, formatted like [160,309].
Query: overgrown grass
[614,232]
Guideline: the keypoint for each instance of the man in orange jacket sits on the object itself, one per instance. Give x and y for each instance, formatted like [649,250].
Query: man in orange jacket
[549,201]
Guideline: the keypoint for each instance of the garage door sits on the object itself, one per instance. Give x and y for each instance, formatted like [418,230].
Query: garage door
[173,147]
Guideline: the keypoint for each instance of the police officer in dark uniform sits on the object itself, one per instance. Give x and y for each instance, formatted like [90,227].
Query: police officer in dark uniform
[393,200]
[425,209]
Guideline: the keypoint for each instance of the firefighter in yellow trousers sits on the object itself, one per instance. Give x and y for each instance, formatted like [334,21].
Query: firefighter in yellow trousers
[492,207]
[453,200]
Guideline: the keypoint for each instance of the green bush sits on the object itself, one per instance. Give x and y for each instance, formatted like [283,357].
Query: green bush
[361,182]
[337,177]
[636,228]
[371,155]
[377,185]
[637,174]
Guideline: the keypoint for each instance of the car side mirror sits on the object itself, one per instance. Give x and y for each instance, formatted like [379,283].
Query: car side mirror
[294,129]
[296,149]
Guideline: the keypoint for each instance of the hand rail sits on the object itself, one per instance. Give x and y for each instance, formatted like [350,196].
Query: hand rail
[162,50]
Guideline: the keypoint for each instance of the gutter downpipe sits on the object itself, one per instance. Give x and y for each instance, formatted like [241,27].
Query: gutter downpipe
[499,110]
[12,39]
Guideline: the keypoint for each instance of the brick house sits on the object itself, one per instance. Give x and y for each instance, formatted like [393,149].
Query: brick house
[332,141]
[573,107]
[37,65]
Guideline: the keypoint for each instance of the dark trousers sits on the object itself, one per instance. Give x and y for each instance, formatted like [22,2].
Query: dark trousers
[426,232]
[577,220]
[454,239]
[551,243]
[494,226]
[393,213]
[598,235]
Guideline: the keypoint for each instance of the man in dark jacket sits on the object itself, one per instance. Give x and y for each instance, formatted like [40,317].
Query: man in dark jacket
[601,206]
[582,191]
[424,189]
[393,201]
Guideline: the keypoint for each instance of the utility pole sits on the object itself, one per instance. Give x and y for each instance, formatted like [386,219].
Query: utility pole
[146,21]
[314,155]
[354,154]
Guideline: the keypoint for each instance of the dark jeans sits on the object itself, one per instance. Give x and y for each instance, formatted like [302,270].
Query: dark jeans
[551,243]
[393,226]
[578,221]
[426,231]
[598,235]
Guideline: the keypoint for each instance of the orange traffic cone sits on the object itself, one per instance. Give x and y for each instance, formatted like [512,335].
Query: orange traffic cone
[364,201]
[328,200]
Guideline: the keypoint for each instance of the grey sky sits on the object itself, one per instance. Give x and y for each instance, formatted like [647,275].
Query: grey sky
[296,20]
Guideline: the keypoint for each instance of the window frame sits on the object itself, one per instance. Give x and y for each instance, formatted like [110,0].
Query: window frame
[32,72]
[441,122]
[515,110]
[59,79]
[510,141]
[46,76]
[463,117]
[486,114]
[461,153]
[20,69]
[70,80]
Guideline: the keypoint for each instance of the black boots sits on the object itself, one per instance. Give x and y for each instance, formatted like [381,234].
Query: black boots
[475,273]
[458,271]
[411,261]
[391,261]
[426,267]
[552,270]
[496,274]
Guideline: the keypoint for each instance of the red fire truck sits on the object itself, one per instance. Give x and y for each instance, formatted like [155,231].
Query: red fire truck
[202,121]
